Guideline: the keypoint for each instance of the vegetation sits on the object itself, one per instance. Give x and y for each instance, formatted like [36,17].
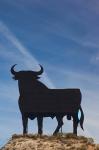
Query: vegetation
[58,142]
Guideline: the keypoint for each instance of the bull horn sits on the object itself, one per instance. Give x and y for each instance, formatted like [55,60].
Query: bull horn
[40,72]
[12,69]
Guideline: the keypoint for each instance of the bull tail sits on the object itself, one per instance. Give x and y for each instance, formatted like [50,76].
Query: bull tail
[81,118]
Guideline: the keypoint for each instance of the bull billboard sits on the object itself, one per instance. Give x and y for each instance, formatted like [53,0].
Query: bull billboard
[37,100]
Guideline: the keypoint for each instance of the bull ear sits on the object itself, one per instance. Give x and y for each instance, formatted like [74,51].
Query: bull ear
[12,70]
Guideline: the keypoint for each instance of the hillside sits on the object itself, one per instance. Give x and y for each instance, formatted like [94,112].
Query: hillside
[59,142]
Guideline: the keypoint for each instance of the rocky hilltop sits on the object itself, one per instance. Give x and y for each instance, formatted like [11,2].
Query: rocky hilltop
[59,142]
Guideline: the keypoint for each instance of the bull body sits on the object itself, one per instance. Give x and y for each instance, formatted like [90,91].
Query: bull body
[37,100]
[51,100]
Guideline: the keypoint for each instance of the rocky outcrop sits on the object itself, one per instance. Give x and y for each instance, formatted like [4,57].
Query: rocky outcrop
[59,142]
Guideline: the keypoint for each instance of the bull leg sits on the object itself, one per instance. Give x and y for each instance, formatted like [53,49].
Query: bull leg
[25,123]
[40,125]
[75,123]
[60,123]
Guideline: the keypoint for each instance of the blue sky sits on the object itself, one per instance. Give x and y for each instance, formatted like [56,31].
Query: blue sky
[62,35]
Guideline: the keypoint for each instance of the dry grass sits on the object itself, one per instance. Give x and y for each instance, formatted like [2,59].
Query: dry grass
[59,142]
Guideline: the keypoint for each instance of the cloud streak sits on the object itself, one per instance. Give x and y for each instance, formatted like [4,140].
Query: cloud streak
[29,61]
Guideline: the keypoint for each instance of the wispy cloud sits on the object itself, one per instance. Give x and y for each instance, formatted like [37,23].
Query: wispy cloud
[74,74]
[8,93]
[29,60]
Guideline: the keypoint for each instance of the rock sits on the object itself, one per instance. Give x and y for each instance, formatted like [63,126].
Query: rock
[59,142]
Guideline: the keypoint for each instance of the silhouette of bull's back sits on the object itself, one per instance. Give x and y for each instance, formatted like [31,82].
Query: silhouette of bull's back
[36,97]
[51,100]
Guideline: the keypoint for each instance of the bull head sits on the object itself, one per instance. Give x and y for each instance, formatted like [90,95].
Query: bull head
[34,73]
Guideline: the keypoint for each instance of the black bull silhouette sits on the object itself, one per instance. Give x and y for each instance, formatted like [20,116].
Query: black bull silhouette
[37,100]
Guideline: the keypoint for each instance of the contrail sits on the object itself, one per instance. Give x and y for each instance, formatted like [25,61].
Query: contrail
[30,61]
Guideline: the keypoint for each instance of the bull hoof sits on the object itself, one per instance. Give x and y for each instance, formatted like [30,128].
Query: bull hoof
[40,133]
[75,134]
[24,134]
[55,133]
